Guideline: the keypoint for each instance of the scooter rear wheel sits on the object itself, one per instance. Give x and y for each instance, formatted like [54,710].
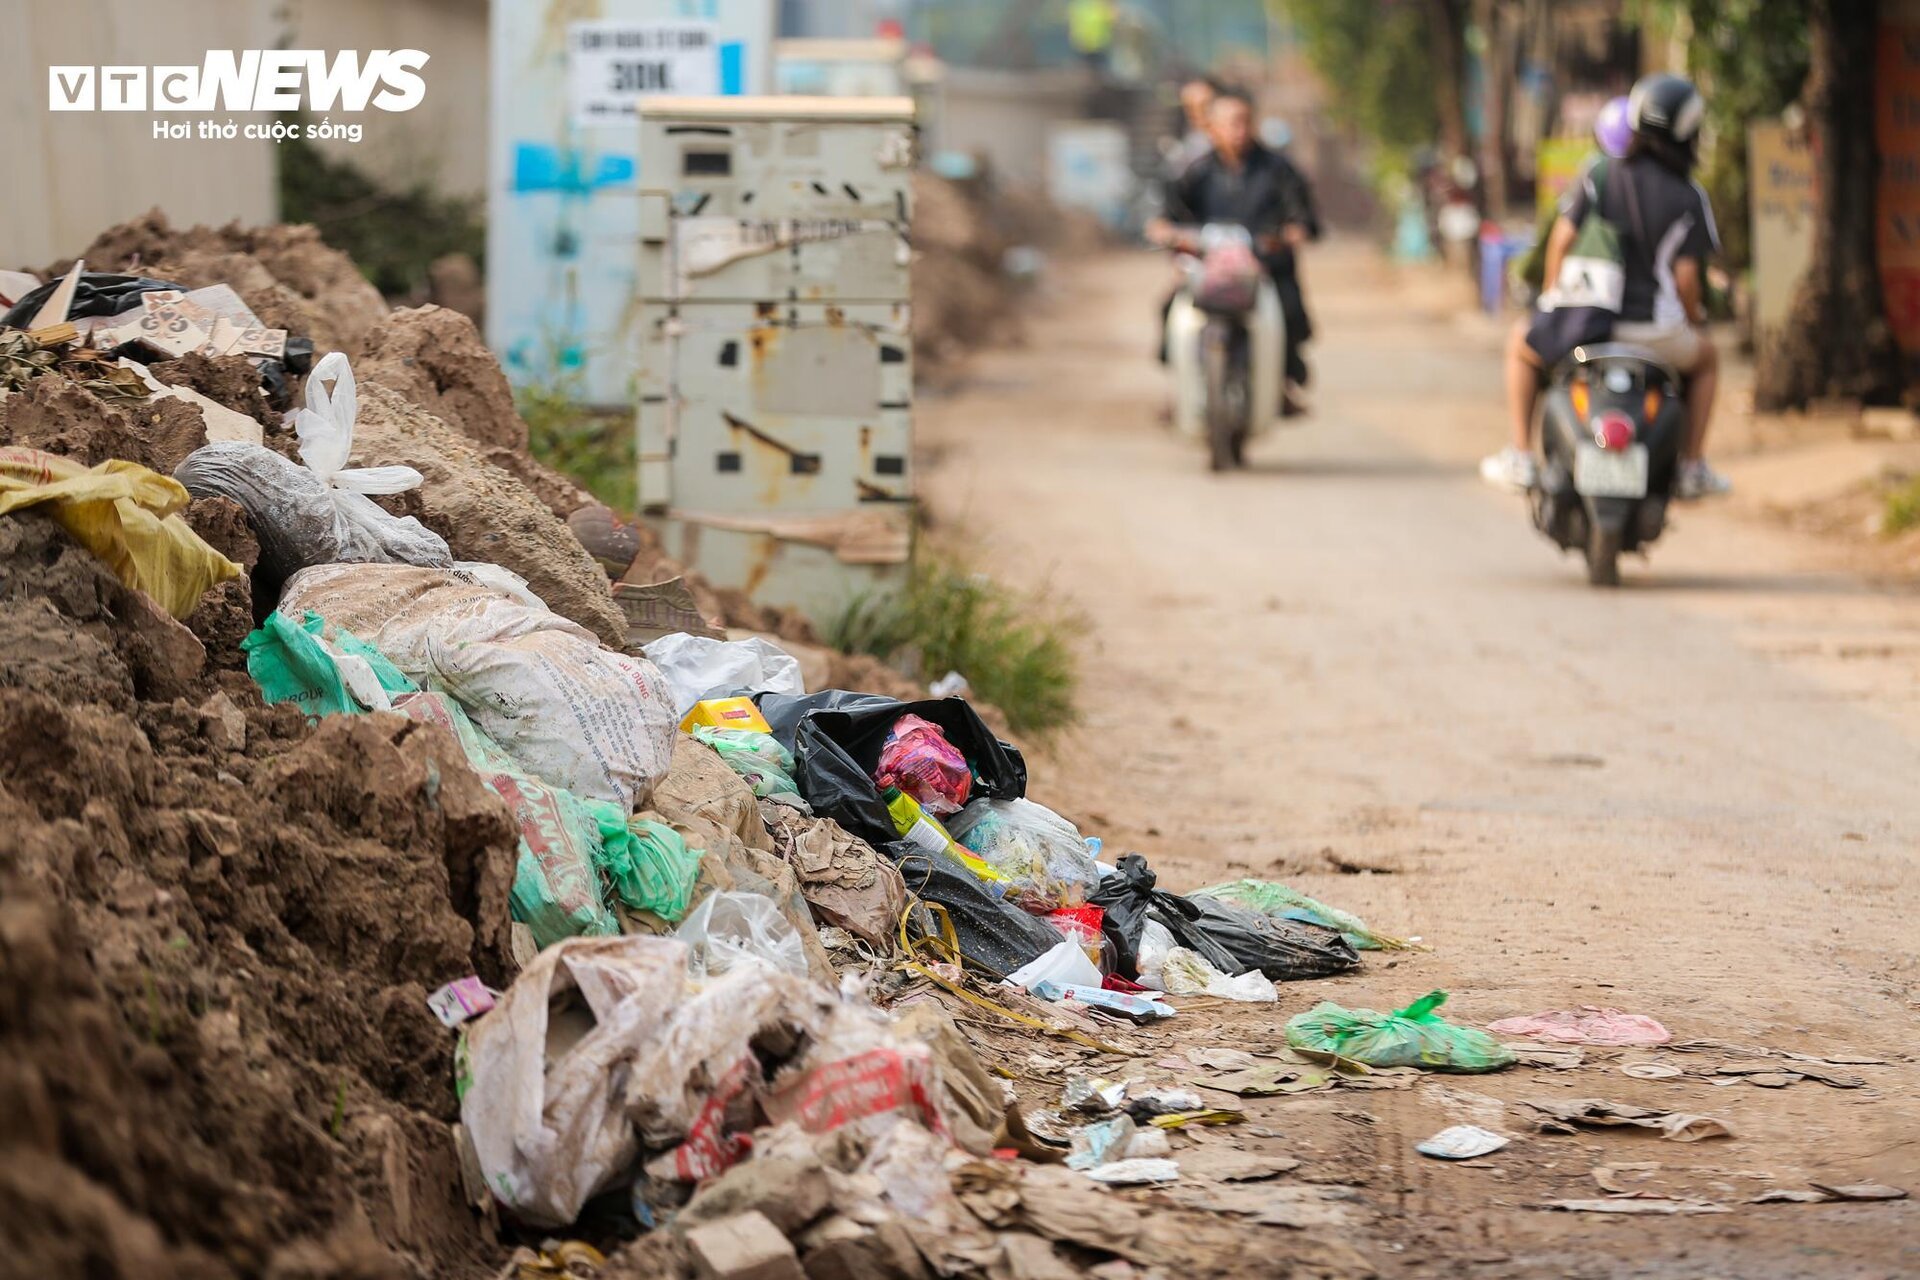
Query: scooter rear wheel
[1603,557]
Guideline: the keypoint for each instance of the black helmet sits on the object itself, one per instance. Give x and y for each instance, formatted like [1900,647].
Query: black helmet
[1666,108]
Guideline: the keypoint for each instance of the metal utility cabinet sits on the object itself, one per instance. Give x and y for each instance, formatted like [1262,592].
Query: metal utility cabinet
[776,372]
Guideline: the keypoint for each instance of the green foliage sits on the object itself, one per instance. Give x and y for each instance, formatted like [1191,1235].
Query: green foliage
[1377,59]
[392,235]
[1750,59]
[596,450]
[1903,508]
[1016,651]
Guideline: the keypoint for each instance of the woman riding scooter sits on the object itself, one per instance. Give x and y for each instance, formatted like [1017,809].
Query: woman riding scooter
[1664,248]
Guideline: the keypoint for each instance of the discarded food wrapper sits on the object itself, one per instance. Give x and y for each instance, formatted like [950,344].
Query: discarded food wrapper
[1089,1094]
[1129,1006]
[461,999]
[1128,1173]
[1411,1037]
[1589,1024]
[1461,1142]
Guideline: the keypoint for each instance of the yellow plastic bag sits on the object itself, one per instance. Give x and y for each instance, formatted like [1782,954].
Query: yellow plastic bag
[124,514]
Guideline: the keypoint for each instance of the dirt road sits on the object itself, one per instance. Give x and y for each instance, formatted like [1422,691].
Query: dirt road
[1355,668]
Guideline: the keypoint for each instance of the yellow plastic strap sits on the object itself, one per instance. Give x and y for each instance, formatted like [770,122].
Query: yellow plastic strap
[948,942]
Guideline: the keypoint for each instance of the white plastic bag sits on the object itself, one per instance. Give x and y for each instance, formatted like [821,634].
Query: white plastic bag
[695,666]
[547,1069]
[598,723]
[1188,973]
[727,930]
[1156,941]
[1066,964]
[325,429]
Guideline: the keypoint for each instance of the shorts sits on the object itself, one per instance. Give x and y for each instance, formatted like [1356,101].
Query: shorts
[1680,345]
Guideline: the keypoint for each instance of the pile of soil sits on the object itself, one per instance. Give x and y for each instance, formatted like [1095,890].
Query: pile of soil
[961,296]
[484,512]
[218,928]
[285,273]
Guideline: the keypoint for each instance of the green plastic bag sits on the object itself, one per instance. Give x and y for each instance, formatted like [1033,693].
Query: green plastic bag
[1271,898]
[763,763]
[557,889]
[1411,1037]
[326,670]
[648,863]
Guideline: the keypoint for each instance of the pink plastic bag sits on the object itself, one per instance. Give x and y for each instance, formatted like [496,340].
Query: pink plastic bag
[1588,1025]
[918,759]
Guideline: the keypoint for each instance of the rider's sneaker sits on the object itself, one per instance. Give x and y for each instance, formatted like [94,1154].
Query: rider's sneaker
[1510,468]
[1698,480]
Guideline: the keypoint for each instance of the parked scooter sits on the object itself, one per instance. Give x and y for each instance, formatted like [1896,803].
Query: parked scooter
[1611,430]
[1224,339]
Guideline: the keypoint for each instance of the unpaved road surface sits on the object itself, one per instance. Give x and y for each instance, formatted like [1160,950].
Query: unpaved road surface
[1354,668]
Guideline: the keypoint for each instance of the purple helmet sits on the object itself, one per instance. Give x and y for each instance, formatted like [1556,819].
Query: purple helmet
[1613,129]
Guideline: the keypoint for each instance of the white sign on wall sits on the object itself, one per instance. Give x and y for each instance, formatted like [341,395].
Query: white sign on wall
[612,65]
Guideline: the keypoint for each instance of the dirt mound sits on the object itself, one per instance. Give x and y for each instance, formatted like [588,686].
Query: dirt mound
[961,298]
[484,513]
[58,416]
[286,273]
[230,381]
[438,360]
[219,930]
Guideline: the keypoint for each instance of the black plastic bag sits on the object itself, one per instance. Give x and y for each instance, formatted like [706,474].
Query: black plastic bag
[836,736]
[1283,950]
[99,293]
[1130,898]
[991,934]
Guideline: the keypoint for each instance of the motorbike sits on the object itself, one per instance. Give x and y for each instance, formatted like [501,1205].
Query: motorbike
[1611,429]
[1224,338]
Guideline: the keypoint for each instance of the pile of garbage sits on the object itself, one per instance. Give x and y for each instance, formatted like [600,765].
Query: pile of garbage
[395,885]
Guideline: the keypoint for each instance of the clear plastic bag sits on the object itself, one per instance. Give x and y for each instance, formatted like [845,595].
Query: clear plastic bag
[730,929]
[918,759]
[1041,854]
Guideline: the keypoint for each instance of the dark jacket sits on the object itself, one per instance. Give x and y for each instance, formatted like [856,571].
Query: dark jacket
[1266,194]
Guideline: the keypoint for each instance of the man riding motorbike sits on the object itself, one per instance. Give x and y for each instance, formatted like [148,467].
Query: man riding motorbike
[1666,230]
[1243,182]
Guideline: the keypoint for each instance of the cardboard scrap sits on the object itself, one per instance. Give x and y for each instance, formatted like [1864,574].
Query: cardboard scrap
[1569,1116]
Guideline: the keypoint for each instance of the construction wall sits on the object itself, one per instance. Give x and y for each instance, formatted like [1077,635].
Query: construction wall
[442,143]
[1004,115]
[69,174]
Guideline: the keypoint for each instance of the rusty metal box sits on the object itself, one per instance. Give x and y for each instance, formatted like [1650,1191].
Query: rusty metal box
[748,199]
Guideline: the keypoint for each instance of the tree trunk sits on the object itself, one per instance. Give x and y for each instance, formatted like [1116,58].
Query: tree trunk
[1837,340]
[1448,20]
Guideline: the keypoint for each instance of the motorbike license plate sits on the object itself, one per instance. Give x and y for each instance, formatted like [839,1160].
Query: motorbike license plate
[1610,473]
